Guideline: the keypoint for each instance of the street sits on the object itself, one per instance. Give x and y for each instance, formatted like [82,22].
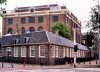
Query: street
[57,70]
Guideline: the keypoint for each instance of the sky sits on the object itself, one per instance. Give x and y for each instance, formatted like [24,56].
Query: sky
[80,8]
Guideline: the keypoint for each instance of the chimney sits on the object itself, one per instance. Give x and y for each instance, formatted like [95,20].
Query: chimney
[57,32]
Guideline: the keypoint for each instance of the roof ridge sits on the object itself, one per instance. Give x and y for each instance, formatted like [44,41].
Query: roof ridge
[47,36]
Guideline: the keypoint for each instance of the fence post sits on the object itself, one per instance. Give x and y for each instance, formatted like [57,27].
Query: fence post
[96,62]
[90,62]
[24,64]
[84,62]
[71,62]
[79,62]
[2,63]
[33,64]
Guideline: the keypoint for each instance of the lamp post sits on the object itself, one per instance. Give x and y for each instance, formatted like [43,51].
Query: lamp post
[75,47]
[99,33]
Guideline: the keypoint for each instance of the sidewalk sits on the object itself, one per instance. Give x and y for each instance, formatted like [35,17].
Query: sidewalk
[30,66]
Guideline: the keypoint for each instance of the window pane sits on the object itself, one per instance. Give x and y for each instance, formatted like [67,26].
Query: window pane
[23,30]
[40,28]
[32,50]
[23,20]
[10,30]
[31,20]
[63,51]
[56,51]
[40,19]
[55,18]
[53,51]
[31,29]
[42,51]
[24,51]
[10,21]
[16,51]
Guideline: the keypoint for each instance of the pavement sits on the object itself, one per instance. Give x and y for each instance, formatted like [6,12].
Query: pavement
[7,67]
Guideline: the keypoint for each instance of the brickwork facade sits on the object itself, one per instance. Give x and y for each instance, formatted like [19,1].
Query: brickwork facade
[47,13]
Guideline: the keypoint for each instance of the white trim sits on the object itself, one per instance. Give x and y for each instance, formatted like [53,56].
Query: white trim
[9,16]
[44,51]
[21,51]
[47,36]
[8,49]
[67,52]
[14,51]
[53,51]
[63,51]
[31,49]
[45,11]
[70,52]
[57,51]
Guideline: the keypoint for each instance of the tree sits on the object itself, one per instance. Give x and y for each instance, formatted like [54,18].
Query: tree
[63,30]
[94,18]
[92,23]
[1,9]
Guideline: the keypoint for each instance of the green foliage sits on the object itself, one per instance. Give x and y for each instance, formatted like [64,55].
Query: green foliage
[1,9]
[94,19]
[63,30]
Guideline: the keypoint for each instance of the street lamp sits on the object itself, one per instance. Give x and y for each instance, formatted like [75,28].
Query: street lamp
[75,47]
[99,33]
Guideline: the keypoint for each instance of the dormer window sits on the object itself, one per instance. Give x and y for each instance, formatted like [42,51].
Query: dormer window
[16,41]
[26,39]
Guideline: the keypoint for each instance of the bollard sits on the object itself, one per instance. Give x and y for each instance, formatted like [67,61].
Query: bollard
[33,64]
[79,62]
[96,62]
[71,62]
[84,62]
[2,62]
[24,64]
[11,64]
[41,63]
[90,62]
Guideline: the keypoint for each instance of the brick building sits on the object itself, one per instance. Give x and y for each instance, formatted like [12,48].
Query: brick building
[36,18]
[41,46]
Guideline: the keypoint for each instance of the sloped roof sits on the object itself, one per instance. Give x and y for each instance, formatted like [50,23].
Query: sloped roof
[34,37]
[39,37]
[63,41]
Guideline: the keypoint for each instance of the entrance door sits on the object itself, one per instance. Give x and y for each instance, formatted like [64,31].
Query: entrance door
[8,52]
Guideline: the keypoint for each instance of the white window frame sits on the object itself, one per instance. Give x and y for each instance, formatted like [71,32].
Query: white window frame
[79,53]
[8,49]
[63,51]
[14,52]
[67,52]
[83,53]
[22,50]
[56,51]
[72,52]
[44,51]
[31,49]
[53,51]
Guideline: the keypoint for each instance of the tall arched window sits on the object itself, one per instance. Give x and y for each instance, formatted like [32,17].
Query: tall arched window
[40,28]
[10,30]
[23,30]
[31,29]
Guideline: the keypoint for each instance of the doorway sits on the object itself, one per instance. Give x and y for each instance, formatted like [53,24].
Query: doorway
[8,53]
